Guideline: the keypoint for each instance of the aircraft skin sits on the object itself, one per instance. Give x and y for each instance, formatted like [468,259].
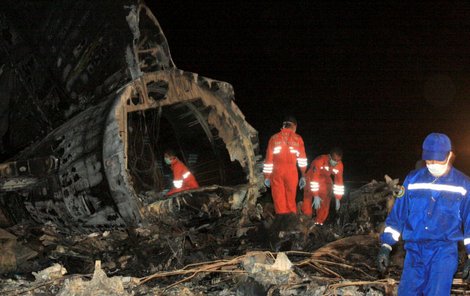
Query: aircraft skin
[79,78]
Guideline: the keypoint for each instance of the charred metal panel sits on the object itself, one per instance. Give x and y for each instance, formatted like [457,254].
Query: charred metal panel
[94,185]
[111,100]
[209,203]
[240,138]
[60,57]
[77,194]
[39,167]
[366,208]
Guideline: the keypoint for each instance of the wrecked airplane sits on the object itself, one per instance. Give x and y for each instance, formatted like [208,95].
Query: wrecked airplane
[92,101]
[89,104]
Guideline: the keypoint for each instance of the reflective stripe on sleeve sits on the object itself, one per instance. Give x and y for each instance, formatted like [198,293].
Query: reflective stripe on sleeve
[185,175]
[268,168]
[277,150]
[395,234]
[178,183]
[438,187]
[338,189]
[302,162]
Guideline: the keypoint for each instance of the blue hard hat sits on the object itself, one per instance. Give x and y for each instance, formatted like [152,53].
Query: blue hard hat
[436,147]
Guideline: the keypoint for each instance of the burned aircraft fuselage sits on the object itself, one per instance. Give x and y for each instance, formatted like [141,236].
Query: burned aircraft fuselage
[104,99]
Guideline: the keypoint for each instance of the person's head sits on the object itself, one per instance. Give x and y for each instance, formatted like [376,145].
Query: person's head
[169,156]
[336,154]
[437,153]
[290,122]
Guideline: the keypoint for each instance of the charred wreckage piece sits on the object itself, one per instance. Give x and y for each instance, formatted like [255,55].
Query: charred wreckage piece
[92,102]
[365,209]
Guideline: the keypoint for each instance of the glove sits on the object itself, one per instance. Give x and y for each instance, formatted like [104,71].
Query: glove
[302,183]
[267,183]
[383,259]
[316,202]
[466,271]
[338,204]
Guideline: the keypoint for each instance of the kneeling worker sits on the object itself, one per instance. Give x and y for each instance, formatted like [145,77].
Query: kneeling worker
[182,177]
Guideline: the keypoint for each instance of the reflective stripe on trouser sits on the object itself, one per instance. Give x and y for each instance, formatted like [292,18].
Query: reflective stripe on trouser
[283,189]
[324,193]
[429,268]
[307,203]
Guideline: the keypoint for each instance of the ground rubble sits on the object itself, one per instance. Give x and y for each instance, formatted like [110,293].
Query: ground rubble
[287,255]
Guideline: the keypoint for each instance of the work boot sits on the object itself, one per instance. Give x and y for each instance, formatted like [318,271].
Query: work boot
[290,221]
[304,218]
[283,221]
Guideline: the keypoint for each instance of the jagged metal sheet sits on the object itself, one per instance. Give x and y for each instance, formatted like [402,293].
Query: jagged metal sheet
[60,57]
[73,70]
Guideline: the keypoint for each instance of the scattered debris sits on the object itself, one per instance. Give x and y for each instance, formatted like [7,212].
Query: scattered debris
[51,273]
[365,209]
[210,252]
[99,285]
[261,268]
[7,251]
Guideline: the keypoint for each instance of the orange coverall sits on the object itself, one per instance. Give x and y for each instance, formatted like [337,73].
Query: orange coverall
[285,150]
[321,185]
[182,177]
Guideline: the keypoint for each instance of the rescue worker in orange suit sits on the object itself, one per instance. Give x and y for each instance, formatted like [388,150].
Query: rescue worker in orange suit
[285,150]
[182,177]
[319,176]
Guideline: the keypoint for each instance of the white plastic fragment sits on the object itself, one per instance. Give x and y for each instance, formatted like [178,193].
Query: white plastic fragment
[53,272]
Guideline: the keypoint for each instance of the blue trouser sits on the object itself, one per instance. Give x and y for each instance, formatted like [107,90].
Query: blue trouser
[429,268]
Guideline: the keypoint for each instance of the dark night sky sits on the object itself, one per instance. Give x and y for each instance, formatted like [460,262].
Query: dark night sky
[373,78]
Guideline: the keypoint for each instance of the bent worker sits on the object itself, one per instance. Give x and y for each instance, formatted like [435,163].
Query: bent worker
[319,175]
[182,177]
[432,213]
[285,150]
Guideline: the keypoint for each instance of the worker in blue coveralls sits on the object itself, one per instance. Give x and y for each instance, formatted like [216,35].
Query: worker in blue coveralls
[432,212]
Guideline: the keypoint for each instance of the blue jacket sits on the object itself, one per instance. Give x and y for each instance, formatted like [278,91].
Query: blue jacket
[430,209]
